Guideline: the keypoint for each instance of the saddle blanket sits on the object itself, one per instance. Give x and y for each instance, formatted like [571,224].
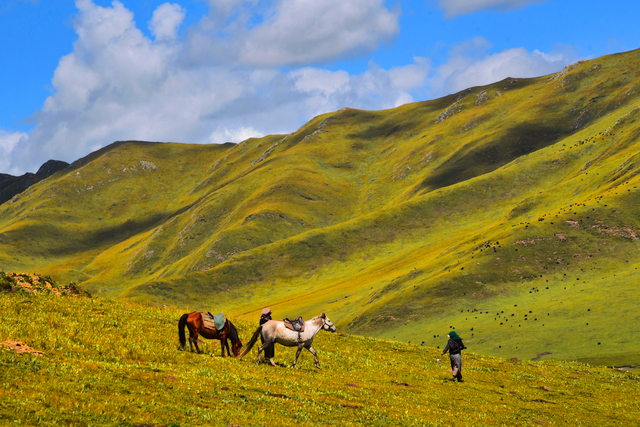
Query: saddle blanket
[214,322]
[296,325]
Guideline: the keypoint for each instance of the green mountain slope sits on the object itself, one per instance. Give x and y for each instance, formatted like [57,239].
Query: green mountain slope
[466,212]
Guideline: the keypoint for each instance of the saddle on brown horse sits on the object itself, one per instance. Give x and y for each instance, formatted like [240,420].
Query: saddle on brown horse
[296,325]
[213,321]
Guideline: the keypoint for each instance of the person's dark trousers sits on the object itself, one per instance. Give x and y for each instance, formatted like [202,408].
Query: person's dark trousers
[456,366]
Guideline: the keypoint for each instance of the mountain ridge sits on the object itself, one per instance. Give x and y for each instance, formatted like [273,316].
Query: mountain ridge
[11,185]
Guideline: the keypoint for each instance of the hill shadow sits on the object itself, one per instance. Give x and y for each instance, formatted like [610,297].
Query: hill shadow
[521,139]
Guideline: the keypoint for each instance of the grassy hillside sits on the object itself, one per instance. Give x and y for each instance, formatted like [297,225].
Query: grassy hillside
[467,212]
[94,348]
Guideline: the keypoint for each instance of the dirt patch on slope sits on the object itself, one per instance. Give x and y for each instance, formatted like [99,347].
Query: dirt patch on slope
[20,347]
[36,284]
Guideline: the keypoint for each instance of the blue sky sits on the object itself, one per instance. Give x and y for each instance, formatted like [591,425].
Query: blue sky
[76,76]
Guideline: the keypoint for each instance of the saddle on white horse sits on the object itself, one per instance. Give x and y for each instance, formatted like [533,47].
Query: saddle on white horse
[296,325]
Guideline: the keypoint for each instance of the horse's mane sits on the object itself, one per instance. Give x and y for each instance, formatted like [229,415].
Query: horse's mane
[233,332]
[314,318]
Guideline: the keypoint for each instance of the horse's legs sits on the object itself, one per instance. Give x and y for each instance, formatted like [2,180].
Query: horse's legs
[271,359]
[314,355]
[295,361]
[223,340]
[193,338]
[195,342]
[226,344]
[260,349]
[190,336]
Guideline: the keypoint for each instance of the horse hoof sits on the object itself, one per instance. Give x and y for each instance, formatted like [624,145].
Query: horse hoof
[318,366]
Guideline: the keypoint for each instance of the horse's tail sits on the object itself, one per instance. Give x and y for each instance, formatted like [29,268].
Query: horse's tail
[251,342]
[181,324]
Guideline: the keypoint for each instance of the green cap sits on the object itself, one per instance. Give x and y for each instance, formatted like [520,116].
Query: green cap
[454,336]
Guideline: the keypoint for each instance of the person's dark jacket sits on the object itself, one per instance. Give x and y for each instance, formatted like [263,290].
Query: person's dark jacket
[265,319]
[269,353]
[453,347]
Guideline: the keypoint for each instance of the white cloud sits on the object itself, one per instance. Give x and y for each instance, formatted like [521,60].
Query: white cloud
[469,65]
[100,25]
[278,33]
[8,141]
[463,7]
[224,8]
[323,81]
[376,88]
[223,135]
[411,76]
[165,21]
[302,32]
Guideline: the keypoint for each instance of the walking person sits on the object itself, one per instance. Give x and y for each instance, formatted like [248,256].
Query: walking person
[454,347]
[269,352]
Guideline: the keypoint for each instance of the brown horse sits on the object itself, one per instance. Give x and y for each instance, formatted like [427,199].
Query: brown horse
[195,323]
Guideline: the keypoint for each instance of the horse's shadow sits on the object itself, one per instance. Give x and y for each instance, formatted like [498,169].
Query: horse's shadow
[277,364]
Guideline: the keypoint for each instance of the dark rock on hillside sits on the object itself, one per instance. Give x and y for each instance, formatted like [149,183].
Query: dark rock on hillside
[51,167]
[11,185]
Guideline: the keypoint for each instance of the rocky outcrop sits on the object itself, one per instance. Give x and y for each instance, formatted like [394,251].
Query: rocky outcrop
[482,98]
[454,108]
[581,120]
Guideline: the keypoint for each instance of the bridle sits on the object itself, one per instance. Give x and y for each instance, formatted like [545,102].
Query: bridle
[324,324]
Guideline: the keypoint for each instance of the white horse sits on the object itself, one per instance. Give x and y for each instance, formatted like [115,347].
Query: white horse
[274,331]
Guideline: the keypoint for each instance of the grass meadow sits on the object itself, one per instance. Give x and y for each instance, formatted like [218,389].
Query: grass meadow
[111,363]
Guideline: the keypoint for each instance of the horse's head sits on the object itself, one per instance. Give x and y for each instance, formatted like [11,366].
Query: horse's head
[326,323]
[235,347]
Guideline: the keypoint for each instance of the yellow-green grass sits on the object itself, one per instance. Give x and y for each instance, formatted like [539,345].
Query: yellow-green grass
[394,220]
[112,363]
